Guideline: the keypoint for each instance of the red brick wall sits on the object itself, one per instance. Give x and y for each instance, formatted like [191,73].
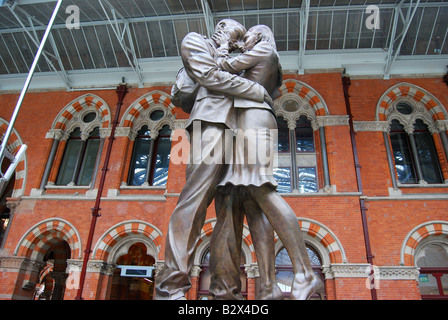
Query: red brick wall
[389,221]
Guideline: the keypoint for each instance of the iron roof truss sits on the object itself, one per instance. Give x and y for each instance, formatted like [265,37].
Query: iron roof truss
[115,34]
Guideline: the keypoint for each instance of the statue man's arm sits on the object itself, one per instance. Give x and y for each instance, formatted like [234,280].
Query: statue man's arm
[202,68]
[245,60]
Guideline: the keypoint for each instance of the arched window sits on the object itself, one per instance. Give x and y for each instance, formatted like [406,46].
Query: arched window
[79,161]
[432,259]
[285,275]
[413,149]
[150,157]
[297,167]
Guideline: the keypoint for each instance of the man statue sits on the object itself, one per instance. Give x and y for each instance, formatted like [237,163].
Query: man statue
[212,113]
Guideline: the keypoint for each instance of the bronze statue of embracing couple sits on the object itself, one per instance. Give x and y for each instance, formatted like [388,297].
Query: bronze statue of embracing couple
[222,93]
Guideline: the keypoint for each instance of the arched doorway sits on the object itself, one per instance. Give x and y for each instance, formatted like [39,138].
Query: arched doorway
[52,277]
[432,259]
[132,283]
[284,271]
[205,276]
[6,189]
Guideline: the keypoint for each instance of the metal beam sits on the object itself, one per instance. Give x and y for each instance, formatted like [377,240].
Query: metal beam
[228,14]
[394,52]
[304,14]
[23,93]
[208,17]
[34,38]
[120,26]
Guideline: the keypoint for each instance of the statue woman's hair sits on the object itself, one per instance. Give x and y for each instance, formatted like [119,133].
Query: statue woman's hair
[265,34]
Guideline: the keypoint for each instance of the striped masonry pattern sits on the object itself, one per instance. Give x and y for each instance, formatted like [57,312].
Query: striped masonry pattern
[110,239]
[319,232]
[306,93]
[412,92]
[47,234]
[142,104]
[13,146]
[79,105]
[415,238]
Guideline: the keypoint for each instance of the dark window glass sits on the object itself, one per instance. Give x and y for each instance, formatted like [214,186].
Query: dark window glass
[427,154]
[283,177]
[404,108]
[89,158]
[89,117]
[162,159]
[140,155]
[304,135]
[284,271]
[69,161]
[402,153]
[307,180]
[157,115]
[78,163]
[283,135]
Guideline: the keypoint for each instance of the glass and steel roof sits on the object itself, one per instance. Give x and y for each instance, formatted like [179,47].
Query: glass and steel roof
[117,34]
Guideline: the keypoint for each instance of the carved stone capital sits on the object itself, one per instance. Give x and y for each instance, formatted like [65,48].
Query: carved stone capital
[441,125]
[195,271]
[56,134]
[381,126]
[399,273]
[158,267]
[20,264]
[252,271]
[325,121]
[97,266]
[346,270]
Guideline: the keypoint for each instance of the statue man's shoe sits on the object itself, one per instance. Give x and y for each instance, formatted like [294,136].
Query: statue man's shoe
[304,290]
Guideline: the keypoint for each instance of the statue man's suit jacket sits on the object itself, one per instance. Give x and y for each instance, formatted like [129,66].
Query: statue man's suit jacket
[214,101]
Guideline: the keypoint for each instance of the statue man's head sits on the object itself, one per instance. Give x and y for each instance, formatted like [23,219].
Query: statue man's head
[233,29]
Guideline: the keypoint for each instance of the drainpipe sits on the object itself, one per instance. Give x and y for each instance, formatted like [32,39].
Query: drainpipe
[346,84]
[121,92]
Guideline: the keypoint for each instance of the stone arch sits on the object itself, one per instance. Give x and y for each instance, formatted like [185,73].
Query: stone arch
[310,102]
[121,236]
[39,238]
[13,146]
[414,94]
[70,116]
[204,242]
[417,235]
[138,112]
[322,239]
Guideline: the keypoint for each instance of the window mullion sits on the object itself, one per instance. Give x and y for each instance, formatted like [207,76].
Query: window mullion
[390,160]
[323,147]
[150,165]
[414,151]
[293,149]
[50,161]
[79,161]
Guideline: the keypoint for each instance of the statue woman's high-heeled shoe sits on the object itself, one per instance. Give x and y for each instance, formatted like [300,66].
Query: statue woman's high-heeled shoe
[303,291]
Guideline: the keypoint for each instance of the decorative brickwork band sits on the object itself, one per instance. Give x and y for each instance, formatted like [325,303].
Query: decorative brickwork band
[142,108]
[42,236]
[324,238]
[415,237]
[13,146]
[70,116]
[305,95]
[115,237]
[413,94]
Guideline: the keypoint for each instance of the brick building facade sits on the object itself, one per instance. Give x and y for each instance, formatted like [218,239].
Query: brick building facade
[363,165]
